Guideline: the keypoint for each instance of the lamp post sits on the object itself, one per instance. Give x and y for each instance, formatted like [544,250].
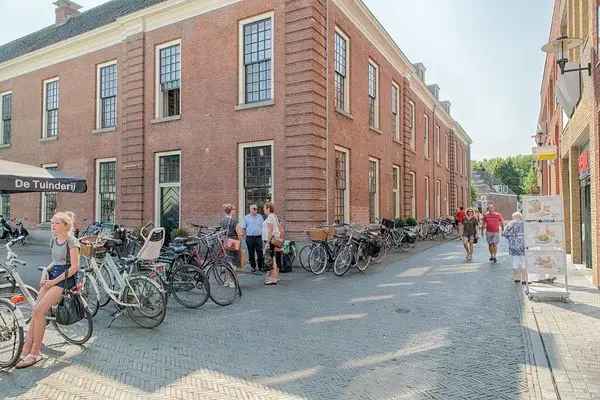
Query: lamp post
[540,137]
[560,47]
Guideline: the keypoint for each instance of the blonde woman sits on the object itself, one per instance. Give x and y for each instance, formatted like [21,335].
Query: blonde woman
[61,276]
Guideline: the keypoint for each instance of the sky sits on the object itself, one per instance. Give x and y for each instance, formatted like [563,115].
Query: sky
[484,54]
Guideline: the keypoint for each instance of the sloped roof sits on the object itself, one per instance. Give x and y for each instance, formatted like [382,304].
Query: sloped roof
[89,20]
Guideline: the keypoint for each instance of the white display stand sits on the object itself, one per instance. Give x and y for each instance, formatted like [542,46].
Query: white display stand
[544,252]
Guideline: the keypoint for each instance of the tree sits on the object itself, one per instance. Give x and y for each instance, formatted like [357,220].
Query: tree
[516,172]
[530,185]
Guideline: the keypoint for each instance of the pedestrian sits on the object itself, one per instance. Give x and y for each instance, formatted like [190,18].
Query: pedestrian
[273,238]
[479,215]
[460,217]
[232,243]
[61,275]
[252,225]
[470,233]
[514,232]
[493,225]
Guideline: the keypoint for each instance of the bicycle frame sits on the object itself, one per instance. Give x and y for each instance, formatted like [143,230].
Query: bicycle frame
[121,280]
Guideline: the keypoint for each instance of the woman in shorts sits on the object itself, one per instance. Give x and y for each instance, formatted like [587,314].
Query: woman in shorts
[470,229]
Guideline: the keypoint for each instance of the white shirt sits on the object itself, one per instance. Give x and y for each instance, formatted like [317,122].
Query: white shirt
[273,220]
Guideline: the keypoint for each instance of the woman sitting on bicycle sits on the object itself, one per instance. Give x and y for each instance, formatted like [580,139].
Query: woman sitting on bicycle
[61,276]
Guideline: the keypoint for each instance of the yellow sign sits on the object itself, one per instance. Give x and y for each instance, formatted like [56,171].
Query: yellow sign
[545,153]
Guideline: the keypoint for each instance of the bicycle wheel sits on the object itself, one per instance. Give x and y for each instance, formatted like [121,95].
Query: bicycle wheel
[103,297]
[362,259]
[223,283]
[318,259]
[343,261]
[25,307]
[150,307]
[303,256]
[11,334]
[79,332]
[189,286]
[91,293]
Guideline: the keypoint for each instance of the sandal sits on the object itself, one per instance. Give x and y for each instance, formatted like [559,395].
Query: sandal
[29,361]
[270,282]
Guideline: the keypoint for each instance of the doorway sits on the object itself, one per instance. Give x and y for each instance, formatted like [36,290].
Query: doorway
[586,222]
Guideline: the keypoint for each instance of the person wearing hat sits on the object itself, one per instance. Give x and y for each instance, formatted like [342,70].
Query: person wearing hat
[470,229]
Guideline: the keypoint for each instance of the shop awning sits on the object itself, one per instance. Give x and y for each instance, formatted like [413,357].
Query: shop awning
[23,178]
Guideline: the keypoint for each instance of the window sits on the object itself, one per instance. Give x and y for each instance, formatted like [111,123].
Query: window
[107,96]
[413,125]
[51,101]
[106,190]
[373,190]
[256,54]
[48,201]
[342,71]
[5,205]
[396,191]
[426,139]
[6,116]
[167,206]
[256,174]
[168,79]
[413,194]
[342,185]
[438,199]
[436,138]
[427,197]
[395,111]
[373,95]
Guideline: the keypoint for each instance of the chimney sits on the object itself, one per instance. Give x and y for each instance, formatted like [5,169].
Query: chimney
[435,90]
[420,68]
[65,9]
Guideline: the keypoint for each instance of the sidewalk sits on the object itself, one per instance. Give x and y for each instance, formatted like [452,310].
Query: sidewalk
[565,341]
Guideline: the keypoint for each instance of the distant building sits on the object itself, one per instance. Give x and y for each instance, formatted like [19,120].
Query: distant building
[490,190]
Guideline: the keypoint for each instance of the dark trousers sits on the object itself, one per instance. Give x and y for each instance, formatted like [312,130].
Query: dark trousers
[255,249]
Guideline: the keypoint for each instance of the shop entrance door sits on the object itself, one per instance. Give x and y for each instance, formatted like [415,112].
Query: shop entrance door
[586,222]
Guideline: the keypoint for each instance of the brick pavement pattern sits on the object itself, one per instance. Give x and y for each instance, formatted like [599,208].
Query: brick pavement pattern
[425,327]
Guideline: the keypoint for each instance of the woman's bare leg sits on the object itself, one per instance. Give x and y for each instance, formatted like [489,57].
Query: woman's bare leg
[51,298]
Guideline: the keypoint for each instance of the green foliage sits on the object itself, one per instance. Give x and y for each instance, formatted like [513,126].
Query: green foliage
[179,232]
[474,194]
[516,172]
[399,222]
[410,221]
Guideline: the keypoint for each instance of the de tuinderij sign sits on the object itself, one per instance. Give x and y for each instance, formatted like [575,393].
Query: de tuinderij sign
[15,184]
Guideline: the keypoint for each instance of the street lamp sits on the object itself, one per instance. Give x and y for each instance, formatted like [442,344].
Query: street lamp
[561,46]
[540,137]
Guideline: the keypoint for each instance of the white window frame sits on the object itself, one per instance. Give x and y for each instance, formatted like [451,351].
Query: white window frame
[347,191]
[396,106]
[347,79]
[12,106]
[241,147]
[98,95]
[426,150]
[396,192]
[413,200]
[413,121]
[97,194]
[427,203]
[158,185]
[2,205]
[377,185]
[158,98]
[438,198]
[377,93]
[436,138]
[241,69]
[43,216]
[44,111]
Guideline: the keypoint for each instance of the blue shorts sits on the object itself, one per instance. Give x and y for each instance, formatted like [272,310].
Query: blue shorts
[58,270]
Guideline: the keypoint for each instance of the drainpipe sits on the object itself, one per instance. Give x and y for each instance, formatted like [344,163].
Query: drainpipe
[327,178]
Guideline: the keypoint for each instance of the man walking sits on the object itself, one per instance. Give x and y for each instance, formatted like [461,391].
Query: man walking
[493,225]
[460,219]
[252,225]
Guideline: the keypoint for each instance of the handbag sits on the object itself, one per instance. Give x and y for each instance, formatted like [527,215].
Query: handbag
[232,244]
[70,310]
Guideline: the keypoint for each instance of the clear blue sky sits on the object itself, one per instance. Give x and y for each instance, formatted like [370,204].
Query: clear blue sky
[484,54]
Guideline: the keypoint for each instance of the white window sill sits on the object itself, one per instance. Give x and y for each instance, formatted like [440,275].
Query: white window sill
[49,139]
[4,146]
[376,130]
[344,113]
[259,104]
[104,130]
[166,119]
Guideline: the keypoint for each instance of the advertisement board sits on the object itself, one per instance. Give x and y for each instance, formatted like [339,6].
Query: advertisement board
[542,208]
[544,235]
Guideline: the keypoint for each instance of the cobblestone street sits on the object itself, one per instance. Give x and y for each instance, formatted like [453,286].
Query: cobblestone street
[425,327]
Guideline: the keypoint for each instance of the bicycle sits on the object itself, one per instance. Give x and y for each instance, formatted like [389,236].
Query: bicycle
[77,333]
[326,246]
[354,254]
[11,334]
[136,295]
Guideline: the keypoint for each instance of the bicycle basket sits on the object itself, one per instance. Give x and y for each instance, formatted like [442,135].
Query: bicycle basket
[90,246]
[320,234]
[388,223]
[373,248]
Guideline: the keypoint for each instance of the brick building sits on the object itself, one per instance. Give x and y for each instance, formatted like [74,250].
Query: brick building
[170,108]
[572,126]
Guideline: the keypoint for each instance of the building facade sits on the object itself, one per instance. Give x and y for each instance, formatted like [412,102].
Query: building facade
[573,128]
[171,108]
